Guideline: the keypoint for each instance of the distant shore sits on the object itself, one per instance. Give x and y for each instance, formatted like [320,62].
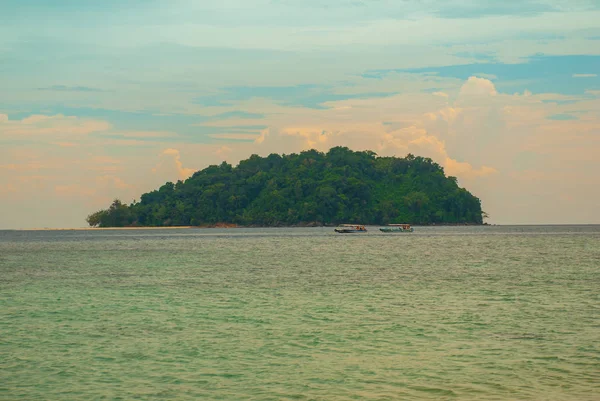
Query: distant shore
[227,225]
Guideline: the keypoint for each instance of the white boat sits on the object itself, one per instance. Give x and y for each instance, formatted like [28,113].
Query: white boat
[350,228]
[397,228]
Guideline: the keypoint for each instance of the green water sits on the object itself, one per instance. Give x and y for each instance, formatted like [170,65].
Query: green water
[466,313]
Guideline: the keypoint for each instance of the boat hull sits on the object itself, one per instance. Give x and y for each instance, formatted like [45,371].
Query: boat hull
[348,231]
[396,230]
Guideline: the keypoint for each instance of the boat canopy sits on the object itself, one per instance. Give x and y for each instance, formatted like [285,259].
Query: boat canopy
[351,227]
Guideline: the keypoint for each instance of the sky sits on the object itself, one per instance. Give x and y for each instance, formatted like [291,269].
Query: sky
[111,99]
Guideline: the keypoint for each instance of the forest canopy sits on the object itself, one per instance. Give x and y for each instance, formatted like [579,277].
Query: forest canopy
[309,188]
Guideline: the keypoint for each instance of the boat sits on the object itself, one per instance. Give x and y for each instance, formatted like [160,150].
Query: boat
[397,228]
[350,228]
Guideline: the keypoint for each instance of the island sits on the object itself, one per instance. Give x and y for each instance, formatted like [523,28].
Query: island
[311,188]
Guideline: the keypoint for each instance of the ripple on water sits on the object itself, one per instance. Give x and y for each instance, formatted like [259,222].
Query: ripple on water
[449,313]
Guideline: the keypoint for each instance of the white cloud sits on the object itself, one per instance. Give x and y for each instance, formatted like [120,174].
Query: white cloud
[476,86]
[585,75]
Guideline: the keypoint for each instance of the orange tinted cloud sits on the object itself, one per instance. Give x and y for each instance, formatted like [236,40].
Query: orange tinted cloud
[483,137]
[172,164]
[50,127]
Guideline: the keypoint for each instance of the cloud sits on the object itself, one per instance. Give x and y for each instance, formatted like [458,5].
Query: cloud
[37,118]
[477,56]
[170,166]
[237,114]
[516,76]
[223,151]
[466,170]
[562,117]
[113,181]
[483,8]
[65,88]
[22,166]
[7,188]
[50,128]
[469,126]
[236,137]
[491,77]
[305,95]
[585,75]
[474,134]
[150,135]
[263,136]
[384,139]
[106,160]
[448,114]
[421,142]
[103,187]
[65,144]
[73,190]
[478,87]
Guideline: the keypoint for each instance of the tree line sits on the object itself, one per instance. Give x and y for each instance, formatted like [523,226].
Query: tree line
[309,188]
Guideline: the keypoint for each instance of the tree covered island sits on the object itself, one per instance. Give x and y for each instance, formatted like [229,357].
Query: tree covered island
[310,188]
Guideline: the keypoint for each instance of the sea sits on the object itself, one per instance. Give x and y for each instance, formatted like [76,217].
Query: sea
[444,313]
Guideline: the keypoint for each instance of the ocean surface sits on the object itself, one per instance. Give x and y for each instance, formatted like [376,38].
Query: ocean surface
[444,313]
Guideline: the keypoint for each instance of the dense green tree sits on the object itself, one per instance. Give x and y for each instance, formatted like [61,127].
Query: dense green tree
[117,215]
[95,219]
[307,188]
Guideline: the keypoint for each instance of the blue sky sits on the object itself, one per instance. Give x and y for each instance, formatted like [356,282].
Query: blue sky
[107,99]
[539,73]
